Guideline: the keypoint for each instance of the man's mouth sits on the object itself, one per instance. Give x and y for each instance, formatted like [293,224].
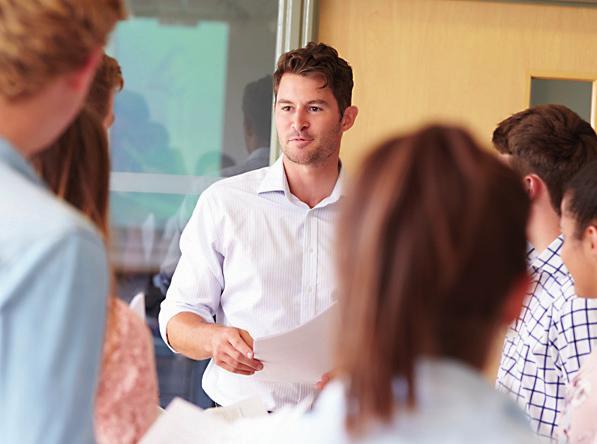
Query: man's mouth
[300,139]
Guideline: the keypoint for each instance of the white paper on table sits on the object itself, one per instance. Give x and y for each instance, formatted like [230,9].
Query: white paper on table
[184,423]
[300,355]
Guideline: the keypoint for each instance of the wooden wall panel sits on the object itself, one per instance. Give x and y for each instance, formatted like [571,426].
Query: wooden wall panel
[452,60]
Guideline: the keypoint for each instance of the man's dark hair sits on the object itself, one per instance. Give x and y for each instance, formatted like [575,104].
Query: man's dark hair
[550,141]
[581,198]
[319,59]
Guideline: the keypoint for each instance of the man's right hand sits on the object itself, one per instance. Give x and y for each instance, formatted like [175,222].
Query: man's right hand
[232,349]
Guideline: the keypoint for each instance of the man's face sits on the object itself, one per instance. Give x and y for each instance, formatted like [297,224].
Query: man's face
[308,120]
[577,256]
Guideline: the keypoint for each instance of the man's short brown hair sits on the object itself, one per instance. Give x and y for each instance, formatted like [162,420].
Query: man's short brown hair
[323,60]
[42,39]
[108,79]
[550,141]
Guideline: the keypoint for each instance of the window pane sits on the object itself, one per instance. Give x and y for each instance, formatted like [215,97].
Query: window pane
[196,107]
[575,94]
[171,113]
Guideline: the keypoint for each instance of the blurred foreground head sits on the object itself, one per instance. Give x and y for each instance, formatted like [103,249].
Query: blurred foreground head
[49,50]
[42,39]
[432,253]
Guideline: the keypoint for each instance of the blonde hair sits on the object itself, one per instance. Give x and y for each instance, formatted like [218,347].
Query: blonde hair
[42,39]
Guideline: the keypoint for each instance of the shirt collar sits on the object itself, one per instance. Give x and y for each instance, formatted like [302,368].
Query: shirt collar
[549,260]
[275,181]
[14,160]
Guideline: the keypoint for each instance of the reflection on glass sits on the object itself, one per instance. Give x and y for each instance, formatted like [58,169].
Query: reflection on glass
[575,94]
[172,110]
[196,105]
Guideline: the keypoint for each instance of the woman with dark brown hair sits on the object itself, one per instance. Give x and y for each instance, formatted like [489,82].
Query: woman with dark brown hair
[77,169]
[579,253]
[431,260]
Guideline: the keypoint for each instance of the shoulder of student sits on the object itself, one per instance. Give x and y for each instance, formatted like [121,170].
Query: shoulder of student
[32,215]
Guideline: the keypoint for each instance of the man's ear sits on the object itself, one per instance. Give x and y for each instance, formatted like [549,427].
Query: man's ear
[348,118]
[533,185]
[81,78]
[515,299]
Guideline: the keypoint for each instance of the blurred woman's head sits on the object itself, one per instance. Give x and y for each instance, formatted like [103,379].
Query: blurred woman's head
[77,168]
[432,262]
[579,227]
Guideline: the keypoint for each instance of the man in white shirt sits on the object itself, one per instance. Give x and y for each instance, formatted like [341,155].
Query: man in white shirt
[547,145]
[257,251]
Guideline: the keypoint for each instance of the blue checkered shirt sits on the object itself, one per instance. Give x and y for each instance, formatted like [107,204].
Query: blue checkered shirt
[546,346]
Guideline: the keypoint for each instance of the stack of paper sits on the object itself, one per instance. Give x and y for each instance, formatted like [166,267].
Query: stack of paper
[185,423]
[300,355]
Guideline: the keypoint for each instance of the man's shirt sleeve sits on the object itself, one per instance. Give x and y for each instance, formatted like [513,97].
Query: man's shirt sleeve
[198,281]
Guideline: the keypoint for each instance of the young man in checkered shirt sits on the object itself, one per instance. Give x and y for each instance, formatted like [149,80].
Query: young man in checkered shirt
[547,145]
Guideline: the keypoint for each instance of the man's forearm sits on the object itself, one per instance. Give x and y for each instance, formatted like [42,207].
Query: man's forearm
[189,334]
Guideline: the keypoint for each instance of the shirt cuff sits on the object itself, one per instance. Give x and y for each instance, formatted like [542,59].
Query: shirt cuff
[170,309]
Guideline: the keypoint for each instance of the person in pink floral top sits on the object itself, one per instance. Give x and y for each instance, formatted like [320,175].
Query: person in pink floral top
[127,396]
[579,252]
[77,169]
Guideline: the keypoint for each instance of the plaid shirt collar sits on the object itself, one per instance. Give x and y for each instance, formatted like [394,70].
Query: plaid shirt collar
[549,260]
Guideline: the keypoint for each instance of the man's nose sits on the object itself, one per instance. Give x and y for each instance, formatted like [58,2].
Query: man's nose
[300,121]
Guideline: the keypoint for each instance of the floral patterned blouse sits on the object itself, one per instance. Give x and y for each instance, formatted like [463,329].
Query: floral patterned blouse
[127,397]
[578,420]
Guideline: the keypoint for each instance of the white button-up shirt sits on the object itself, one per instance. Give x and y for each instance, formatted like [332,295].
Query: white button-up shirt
[257,258]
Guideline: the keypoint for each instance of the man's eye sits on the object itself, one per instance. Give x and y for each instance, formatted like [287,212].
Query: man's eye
[285,108]
[315,108]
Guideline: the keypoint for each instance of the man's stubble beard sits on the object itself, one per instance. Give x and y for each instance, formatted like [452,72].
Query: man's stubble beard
[320,154]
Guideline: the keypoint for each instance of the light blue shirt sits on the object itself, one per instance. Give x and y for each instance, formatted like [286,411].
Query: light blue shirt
[53,289]
[455,405]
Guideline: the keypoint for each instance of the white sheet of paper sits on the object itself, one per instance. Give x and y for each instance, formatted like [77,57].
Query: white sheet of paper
[138,305]
[300,355]
[183,422]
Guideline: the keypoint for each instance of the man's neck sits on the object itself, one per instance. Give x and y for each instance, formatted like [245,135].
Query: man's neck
[309,183]
[543,228]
